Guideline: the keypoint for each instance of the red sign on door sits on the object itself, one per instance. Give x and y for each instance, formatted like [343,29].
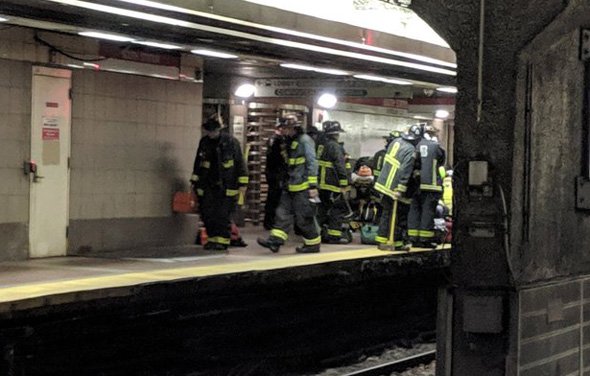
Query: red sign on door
[50,134]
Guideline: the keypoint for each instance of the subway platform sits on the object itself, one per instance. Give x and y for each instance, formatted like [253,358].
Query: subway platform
[58,280]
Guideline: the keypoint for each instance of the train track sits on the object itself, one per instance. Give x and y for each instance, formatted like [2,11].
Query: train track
[400,365]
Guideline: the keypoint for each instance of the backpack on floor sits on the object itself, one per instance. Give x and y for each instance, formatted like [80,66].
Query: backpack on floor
[368,233]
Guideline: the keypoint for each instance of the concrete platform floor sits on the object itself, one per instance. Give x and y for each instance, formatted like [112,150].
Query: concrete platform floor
[102,270]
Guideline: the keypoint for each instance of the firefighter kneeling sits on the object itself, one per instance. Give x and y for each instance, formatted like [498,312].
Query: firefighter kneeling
[299,189]
[393,183]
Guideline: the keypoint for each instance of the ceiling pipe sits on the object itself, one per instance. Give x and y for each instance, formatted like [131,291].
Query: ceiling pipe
[480,61]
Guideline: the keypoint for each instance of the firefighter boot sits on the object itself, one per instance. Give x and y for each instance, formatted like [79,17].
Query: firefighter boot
[272,243]
[308,248]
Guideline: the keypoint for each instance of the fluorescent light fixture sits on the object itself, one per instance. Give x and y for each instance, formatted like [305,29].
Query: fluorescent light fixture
[245,91]
[260,38]
[210,53]
[2,19]
[419,117]
[75,66]
[158,45]
[327,100]
[113,37]
[387,80]
[336,72]
[447,89]
[91,65]
[442,114]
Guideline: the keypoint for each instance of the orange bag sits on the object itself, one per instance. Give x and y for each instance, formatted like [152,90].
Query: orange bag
[184,202]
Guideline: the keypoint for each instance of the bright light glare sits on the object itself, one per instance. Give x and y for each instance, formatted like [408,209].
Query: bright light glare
[2,19]
[158,45]
[448,89]
[336,72]
[245,91]
[387,80]
[327,100]
[210,53]
[94,34]
[442,114]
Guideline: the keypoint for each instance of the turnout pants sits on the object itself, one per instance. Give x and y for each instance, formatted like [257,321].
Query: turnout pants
[270,207]
[421,216]
[295,207]
[216,209]
[331,213]
[384,235]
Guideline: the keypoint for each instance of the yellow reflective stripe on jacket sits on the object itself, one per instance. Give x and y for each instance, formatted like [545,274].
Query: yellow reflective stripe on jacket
[205,164]
[323,185]
[429,187]
[228,164]
[243,180]
[200,192]
[219,240]
[401,188]
[294,145]
[380,239]
[347,165]
[279,234]
[312,180]
[376,173]
[298,187]
[313,241]
[194,178]
[412,232]
[296,161]
[343,183]
[231,192]
[326,164]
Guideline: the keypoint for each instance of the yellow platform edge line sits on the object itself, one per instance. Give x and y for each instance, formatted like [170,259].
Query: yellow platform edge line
[21,292]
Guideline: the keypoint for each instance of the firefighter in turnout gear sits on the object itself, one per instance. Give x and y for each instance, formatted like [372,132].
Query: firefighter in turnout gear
[297,203]
[378,158]
[423,207]
[393,184]
[219,176]
[334,183]
[275,172]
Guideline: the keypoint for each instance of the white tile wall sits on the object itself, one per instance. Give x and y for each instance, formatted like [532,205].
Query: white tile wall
[132,141]
[15,107]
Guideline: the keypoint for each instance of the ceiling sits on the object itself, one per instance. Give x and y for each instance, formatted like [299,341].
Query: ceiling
[260,51]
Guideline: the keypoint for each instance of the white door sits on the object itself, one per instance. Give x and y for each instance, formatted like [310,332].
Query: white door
[50,150]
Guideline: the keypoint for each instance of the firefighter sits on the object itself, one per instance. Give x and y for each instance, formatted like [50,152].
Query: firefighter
[219,176]
[448,190]
[377,160]
[394,183]
[275,172]
[334,183]
[299,192]
[423,207]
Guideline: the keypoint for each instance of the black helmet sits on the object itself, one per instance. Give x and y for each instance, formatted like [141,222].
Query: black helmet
[414,133]
[331,127]
[211,125]
[288,120]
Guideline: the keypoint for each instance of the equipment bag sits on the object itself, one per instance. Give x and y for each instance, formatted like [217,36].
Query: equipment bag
[368,233]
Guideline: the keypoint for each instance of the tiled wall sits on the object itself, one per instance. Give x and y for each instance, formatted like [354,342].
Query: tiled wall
[133,144]
[15,120]
[553,328]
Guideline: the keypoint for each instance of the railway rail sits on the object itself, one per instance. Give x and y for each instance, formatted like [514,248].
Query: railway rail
[399,365]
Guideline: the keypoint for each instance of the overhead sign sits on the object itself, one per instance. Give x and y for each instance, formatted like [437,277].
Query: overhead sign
[341,88]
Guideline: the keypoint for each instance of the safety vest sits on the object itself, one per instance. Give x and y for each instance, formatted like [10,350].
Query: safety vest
[332,166]
[226,171]
[448,193]
[431,157]
[377,162]
[303,167]
[398,165]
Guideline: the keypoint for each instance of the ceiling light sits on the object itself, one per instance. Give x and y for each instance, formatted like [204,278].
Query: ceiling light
[245,91]
[327,100]
[2,19]
[117,38]
[442,114]
[158,45]
[336,72]
[419,117]
[447,89]
[387,80]
[91,65]
[210,53]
